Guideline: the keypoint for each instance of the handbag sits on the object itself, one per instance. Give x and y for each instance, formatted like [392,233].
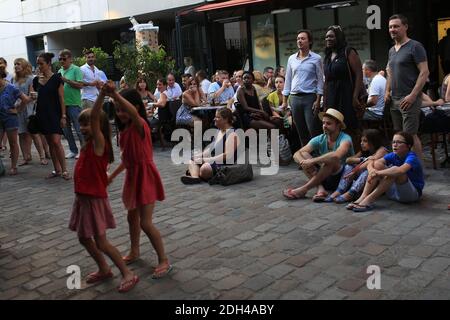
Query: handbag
[33,122]
[362,96]
[228,175]
[184,116]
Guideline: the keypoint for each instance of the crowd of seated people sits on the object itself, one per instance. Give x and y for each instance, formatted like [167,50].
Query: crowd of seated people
[340,171]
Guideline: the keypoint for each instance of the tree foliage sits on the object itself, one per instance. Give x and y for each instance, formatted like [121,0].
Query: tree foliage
[134,61]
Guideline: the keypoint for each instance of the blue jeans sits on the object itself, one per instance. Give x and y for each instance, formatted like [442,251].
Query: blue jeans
[72,119]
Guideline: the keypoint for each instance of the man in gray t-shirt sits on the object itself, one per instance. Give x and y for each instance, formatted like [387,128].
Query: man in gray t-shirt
[407,74]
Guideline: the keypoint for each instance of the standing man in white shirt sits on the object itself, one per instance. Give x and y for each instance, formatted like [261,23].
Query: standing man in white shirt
[304,87]
[93,79]
[377,90]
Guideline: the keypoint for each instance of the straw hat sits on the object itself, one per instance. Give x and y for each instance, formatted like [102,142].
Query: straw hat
[333,113]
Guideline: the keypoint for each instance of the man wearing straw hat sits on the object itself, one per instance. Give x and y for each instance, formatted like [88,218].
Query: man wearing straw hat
[333,147]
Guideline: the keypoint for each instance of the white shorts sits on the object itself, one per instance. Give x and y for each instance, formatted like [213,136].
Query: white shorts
[405,193]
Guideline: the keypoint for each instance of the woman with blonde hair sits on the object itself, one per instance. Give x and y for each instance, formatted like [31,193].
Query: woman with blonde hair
[23,81]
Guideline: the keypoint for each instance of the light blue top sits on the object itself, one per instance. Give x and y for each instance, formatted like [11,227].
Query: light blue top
[304,76]
[320,145]
[226,95]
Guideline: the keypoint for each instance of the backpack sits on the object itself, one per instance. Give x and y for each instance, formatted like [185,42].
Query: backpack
[285,153]
[234,174]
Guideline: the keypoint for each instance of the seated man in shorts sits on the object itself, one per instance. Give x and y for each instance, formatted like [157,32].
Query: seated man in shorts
[399,174]
[324,172]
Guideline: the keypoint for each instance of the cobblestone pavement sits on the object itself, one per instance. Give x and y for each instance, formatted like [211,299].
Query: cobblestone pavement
[241,242]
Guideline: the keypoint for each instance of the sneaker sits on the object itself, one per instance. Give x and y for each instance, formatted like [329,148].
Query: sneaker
[71,155]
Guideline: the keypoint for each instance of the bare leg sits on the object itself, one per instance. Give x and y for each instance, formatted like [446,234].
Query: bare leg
[417,148]
[14,147]
[107,248]
[383,186]
[194,169]
[146,214]
[206,171]
[25,146]
[325,171]
[135,234]
[53,154]
[45,146]
[94,252]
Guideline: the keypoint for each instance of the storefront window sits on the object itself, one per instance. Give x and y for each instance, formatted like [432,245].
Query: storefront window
[288,25]
[263,41]
[318,22]
[353,21]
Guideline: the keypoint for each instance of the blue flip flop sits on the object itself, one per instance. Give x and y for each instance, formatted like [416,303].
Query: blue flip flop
[363,208]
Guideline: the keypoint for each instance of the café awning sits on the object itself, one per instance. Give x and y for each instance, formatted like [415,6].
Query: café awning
[221,5]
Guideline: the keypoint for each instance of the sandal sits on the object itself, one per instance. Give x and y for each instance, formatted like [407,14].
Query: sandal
[352,205]
[97,277]
[66,176]
[24,163]
[162,271]
[128,285]
[320,197]
[129,259]
[44,162]
[13,172]
[366,208]
[291,195]
[53,174]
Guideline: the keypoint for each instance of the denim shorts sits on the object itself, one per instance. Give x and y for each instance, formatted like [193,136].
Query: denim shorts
[404,193]
[8,121]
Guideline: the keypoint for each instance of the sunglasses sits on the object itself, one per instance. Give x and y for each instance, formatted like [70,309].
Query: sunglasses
[336,27]
[62,59]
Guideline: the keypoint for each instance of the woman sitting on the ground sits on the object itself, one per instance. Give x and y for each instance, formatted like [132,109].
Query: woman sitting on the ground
[355,172]
[253,115]
[222,151]
[190,99]
[399,174]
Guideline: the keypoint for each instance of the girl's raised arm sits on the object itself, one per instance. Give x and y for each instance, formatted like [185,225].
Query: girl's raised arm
[97,135]
[110,89]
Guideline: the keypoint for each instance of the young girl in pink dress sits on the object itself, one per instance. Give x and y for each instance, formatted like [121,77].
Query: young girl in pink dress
[142,186]
[92,214]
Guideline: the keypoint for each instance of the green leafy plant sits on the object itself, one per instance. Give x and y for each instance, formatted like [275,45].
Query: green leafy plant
[135,61]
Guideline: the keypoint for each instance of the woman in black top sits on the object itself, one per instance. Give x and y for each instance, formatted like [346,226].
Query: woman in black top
[340,92]
[253,116]
[51,112]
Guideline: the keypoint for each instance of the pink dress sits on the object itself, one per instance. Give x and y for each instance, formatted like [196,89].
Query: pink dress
[143,183]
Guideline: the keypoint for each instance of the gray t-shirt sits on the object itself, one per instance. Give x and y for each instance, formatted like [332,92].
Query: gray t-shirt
[403,67]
